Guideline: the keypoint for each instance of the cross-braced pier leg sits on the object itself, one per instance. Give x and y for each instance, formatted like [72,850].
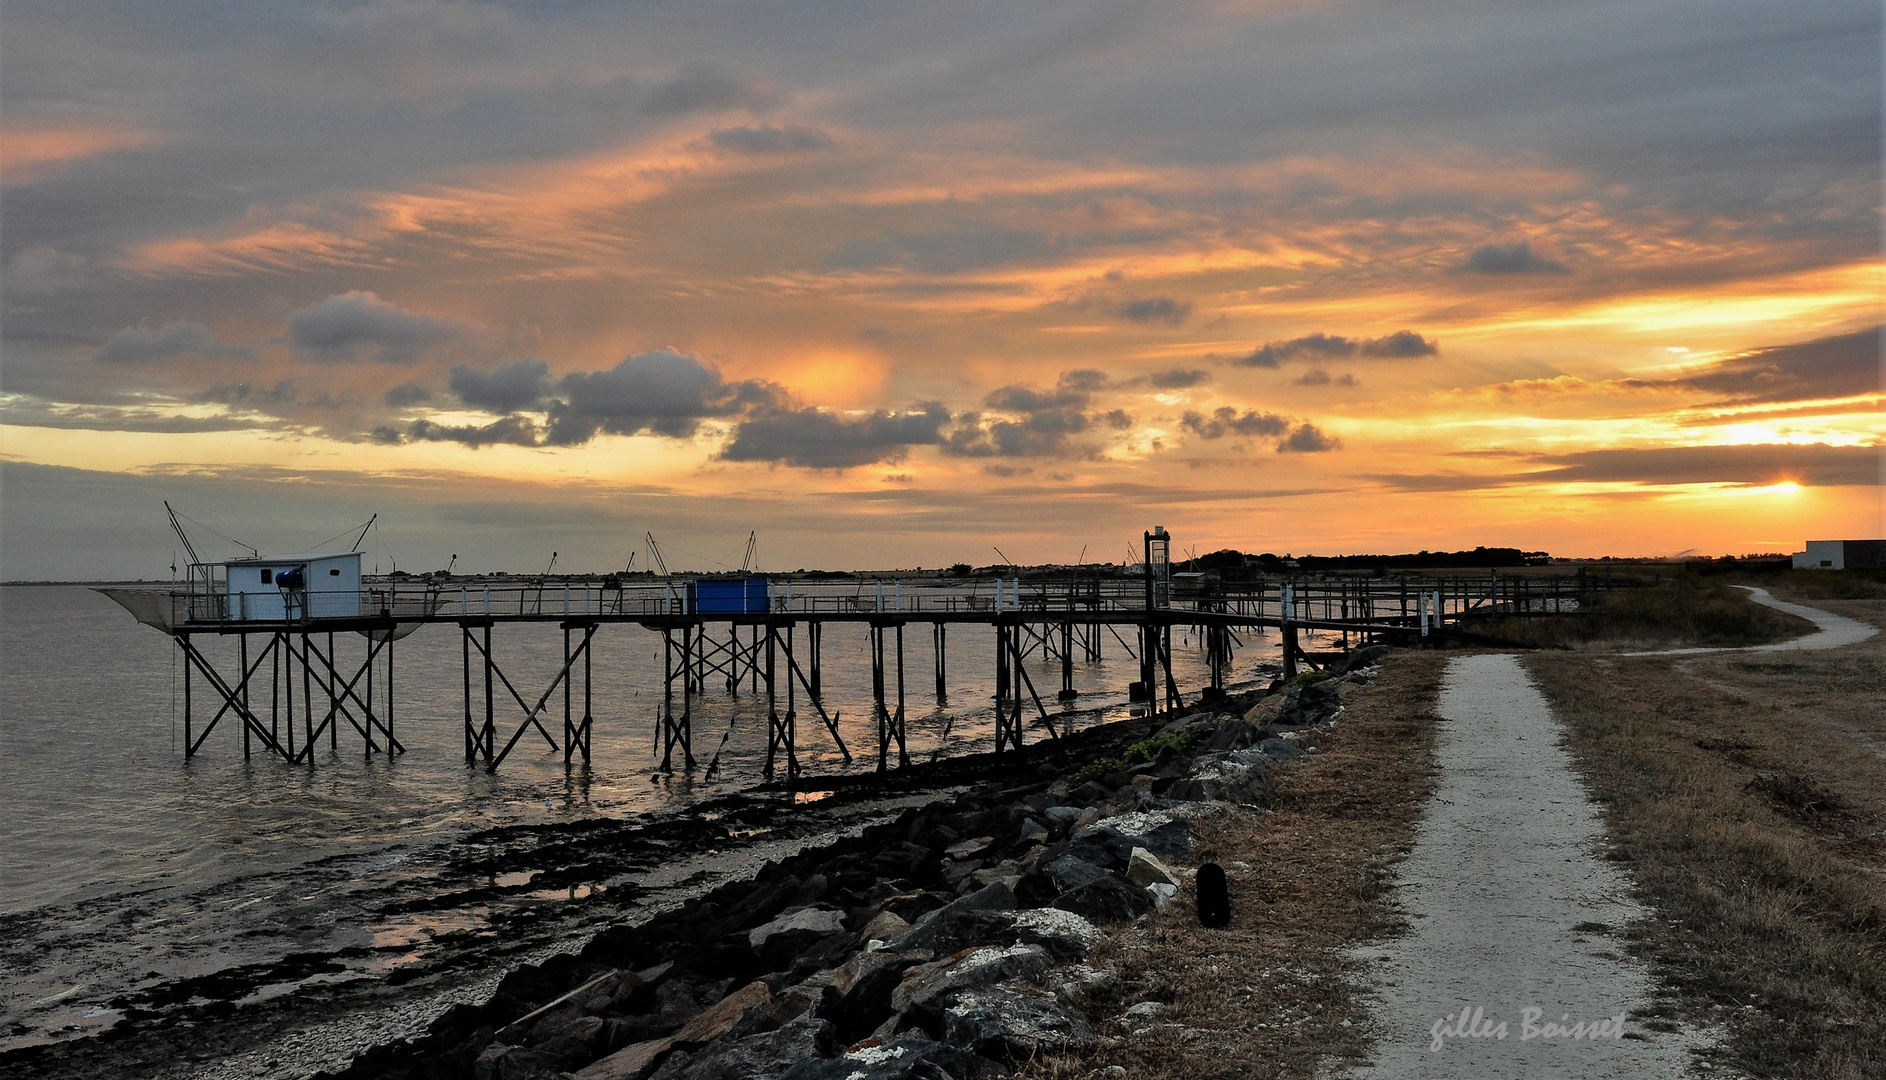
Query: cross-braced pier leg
[815,637]
[890,724]
[340,692]
[1068,693]
[576,733]
[1218,655]
[794,671]
[486,739]
[939,644]
[780,730]
[1173,701]
[677,731]
[235,699]
[1008,681]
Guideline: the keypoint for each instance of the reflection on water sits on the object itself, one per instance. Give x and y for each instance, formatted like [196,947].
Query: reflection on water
[120,858]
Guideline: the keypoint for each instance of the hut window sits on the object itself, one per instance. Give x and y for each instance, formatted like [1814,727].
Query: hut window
[335,572]
[267,578]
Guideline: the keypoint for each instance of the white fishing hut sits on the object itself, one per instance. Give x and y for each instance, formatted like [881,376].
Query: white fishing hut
[273,588]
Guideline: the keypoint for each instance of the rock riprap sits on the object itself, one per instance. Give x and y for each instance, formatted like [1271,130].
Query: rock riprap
[952,941]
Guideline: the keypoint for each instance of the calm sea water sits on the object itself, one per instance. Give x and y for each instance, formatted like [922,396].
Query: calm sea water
[101,818]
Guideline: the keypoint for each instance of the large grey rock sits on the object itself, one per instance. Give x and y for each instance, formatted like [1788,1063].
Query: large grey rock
[930,985]
[1279,749]
[1070,871]
[746,1010]
[567,1026]
[970,848]
[763,1056]
[883,926]
[804,926]
[1010,1025]
[1143,868]
[1234,735]
[1223,781]
[1367,656]
[1310,703]
[1064,934]
[864,986]
[500,1062]
[923,935]
[899,1059]
[1108,900]
[1162,832]
[1062,817]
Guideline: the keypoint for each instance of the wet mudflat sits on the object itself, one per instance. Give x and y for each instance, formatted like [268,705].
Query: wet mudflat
[405,934]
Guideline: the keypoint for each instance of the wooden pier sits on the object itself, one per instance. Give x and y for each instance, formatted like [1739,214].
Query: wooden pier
[291,689]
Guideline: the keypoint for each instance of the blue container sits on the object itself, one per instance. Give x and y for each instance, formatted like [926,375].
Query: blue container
[728,596]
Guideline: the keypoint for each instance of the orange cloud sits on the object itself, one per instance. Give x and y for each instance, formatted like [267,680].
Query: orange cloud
[30,155]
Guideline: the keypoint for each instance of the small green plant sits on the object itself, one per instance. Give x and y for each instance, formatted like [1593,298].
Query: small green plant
[1307,677]
[1137,754]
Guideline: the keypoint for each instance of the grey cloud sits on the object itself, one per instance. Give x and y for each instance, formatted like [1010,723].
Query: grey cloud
[1516,258]
[1044,434]
[1226,420]
[1178,378]
[512,430]
[1814,464]
[1030,400]
[1138,309]
[358,325]
[1756,465]
[1401,344]
[143,345]
[1308,439]
[405,394]
[1149,309]
[1272,353]
[29,413]
[662,392]
[245,393]
[1319,377]
[516,385]
[820,439]
[1044,424]
[42,271]
[707,90]
[1845,365]
[767,139]
[1448,481]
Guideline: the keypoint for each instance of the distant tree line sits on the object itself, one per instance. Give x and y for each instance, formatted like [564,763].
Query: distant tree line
[1478,558]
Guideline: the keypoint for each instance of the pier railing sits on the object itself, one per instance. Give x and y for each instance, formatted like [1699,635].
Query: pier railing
[1330,599]
[765,634]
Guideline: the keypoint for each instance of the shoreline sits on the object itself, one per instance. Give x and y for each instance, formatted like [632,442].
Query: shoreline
[314,1010]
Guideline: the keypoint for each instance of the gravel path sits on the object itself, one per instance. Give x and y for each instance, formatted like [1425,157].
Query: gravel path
[1512,909]
[1830,631]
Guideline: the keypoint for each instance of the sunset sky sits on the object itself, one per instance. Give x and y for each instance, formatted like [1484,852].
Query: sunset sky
[895,284]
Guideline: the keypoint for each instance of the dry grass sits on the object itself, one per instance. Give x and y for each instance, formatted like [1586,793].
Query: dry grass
[1267,996]
[1810,585]
[1679,609]
[1747,793]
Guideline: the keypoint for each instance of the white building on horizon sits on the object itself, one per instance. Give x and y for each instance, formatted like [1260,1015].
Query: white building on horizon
[1841,555]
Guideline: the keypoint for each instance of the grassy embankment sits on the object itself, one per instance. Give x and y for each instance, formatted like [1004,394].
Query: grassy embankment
[1677,609]
[1747,794]
[1309,877]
